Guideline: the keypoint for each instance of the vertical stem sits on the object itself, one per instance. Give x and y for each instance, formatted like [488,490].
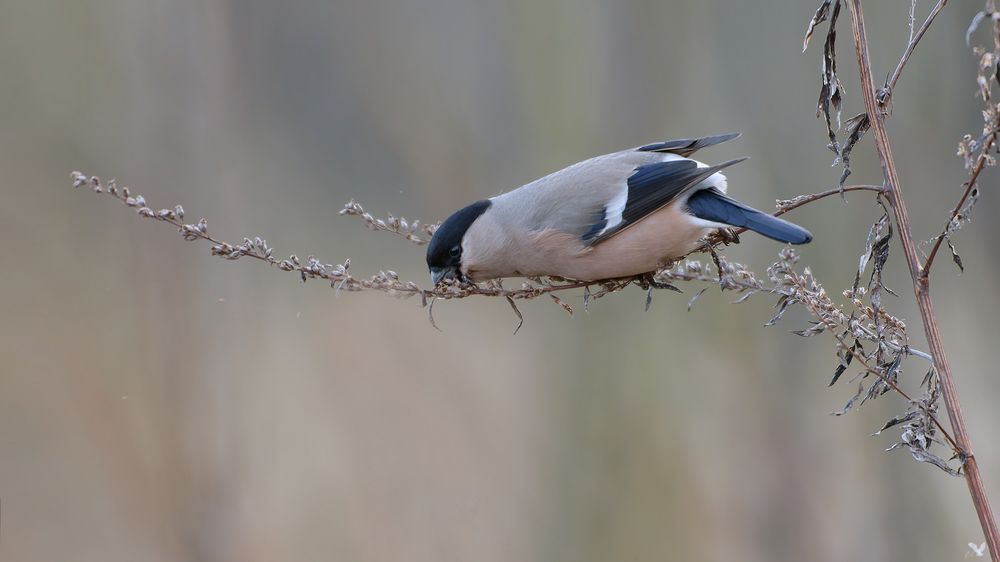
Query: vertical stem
[921,287]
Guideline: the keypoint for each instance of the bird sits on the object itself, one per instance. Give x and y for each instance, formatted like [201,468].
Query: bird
[618,215]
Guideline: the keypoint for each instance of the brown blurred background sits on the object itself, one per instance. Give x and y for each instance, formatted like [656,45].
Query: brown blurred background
[160,404]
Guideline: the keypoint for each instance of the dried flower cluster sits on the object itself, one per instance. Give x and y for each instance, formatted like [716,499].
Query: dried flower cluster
[256,247]
[397,225]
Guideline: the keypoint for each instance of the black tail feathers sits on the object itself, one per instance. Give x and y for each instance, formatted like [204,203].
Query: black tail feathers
[713,206]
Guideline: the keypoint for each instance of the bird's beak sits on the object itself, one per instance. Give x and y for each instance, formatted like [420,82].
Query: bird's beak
[440,274]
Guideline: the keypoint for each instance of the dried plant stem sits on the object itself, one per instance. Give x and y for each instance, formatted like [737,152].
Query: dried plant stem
[921,286]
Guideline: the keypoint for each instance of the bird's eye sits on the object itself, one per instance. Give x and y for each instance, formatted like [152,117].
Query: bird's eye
[455,251]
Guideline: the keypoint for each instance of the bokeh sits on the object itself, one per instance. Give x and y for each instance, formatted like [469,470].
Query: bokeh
[160,404]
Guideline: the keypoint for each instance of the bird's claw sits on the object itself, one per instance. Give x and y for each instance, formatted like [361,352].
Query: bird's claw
[729,236]
[648,281]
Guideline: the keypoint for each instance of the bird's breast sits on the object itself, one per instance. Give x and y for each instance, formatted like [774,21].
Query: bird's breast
[649,244]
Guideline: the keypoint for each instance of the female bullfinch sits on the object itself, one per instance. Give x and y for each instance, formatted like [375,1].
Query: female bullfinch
[616,215]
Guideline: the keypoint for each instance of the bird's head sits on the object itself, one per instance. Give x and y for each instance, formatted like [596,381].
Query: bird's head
[444,252]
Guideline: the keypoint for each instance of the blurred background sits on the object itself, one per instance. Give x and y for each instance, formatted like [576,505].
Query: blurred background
[160,404]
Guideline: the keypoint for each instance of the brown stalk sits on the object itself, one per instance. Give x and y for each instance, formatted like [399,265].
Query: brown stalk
[921,287]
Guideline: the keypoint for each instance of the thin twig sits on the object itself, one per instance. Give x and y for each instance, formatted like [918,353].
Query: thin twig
[785,205]
[409,230]
[914,39]
[970,185]
[920,286]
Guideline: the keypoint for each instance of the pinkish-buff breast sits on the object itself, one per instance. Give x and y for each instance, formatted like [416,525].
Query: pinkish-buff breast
[658,239]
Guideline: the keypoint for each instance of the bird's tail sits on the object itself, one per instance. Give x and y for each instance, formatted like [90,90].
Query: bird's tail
[713,206]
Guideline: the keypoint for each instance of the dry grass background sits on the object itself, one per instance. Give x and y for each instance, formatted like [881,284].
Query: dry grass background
[159,404]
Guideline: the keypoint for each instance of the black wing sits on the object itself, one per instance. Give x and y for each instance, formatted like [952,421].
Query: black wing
[687,147]
[650,187]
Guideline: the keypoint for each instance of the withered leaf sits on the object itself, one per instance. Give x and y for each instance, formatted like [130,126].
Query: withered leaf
[520,318]
[954,255]
[873,233]
[564,305]
[928,378]
[922,455]
[699,293]
[782,306]
[819,17]
[908,416]
[976,20]
[880,253]
[816,328]
[845,362]
[857,126]
[847,407]
[830,95]
[430,314]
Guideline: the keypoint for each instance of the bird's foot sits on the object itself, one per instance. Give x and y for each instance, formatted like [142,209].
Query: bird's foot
[648,281]
[729,236]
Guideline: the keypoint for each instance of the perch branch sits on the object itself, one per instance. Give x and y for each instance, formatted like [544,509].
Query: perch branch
[387,280]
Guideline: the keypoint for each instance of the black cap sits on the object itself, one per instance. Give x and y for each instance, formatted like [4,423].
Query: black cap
[445,248]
